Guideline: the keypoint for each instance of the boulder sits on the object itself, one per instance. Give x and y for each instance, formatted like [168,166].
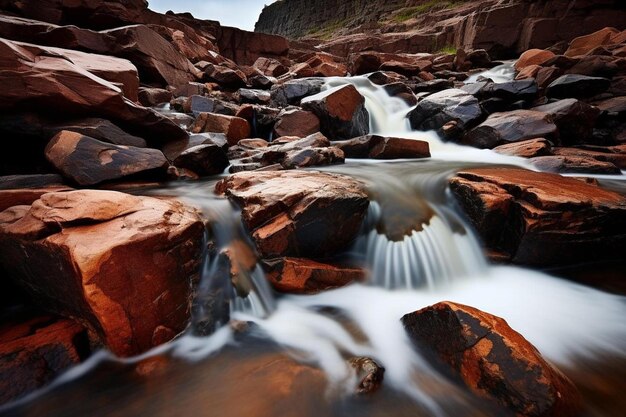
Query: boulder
[511,91]
[286,212]
[151,97]
[251,96]
[513,126]
[574,164]
[197,104]
[46,80]
[156,59]
[536,218]
[35,351]
[203,159]
[292,92]
[408,69]
[87,161]
[341,111]
[437,109]
[575,119]
[402,91]
[527,148]
[577,86]
[305,276]
[225,76]
[493,360]
[119,264]
[583,45]
[295,122]
[533,57]
[613,154]
[270,67]
[235,128]
[380,147]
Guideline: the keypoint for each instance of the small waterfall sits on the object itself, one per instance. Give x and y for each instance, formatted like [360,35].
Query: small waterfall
[498,74]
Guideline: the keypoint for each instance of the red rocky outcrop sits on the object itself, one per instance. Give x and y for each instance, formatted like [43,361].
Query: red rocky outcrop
[540,218]
[121,265]
[298,214]
[492,359]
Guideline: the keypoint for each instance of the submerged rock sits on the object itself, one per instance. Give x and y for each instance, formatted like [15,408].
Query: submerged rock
[369,374]
[493,360]
[121,265]
[536,218]
[298,214]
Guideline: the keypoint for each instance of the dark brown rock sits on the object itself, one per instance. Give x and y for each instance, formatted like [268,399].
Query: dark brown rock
[305,276]
[295,122]
[541,218]
[151,97]
[87,161]
[120,264]
[341,111]
[205,159]
[369,374]
[380,147]
[575,119]
[493,360]
[270,67]
[437,109]
[577,86]
[286,212]
[235,128]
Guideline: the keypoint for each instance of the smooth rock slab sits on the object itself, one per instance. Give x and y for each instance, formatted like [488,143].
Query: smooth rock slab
[492,359]
[119,264]
[87,161]
[298,214]
[577,86]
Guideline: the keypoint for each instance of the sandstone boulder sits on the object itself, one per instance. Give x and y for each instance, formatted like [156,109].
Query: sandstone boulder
[540,218]
[295,122]
[151,97]
[341,111]
[235,128]
[287,212]
[527,148]
[513,126]
[380,147]
[270,67]
[493,360]
[87,161]
[574,164]
[305,276]
[582,45]
[533,57]
[203,159]
[121,265]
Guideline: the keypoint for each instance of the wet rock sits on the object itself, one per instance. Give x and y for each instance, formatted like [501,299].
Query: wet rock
[120,264]
[341,111]
[87,161]
[582,45]
[254,96]
[510,91]
[445,106]
[309,157]
[292,92]
[286,212]
[34,352]
[151,97]
[575,119]
[541,218]
[479,59]
[305,276]
[613,154]
[526,148]
[493,360]
[225,76]
[205,159]
[533,57]
[577,86]
[235,128]
[513,126]
[201,104]
[48,80]
[385,77]
[270,67]
[295,122]
[369,374]
[402,91]
[381,147]
[574,164]
[432,86]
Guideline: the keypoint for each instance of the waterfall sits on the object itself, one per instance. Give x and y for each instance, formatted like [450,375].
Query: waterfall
[498,74]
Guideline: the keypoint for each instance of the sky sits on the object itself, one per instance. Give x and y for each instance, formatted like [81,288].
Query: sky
[238,13]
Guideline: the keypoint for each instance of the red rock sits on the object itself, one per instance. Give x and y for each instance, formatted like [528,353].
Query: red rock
[408,69]
[533,57]
[270,67]
[191,45]
[296,122]
[546,75]
[119,264]
[302,70]
[87,161]
[40,78]
[204,159]
[571,163]
[304,276]
[527,148]
[151,97]
[380,147]
[529,71]
[26,196]
[585,44]
[286,211]
[513,126]
[226,76]
[492,359]
[34,352]
[245,47]
[235,128]
[341,111]
[540,218]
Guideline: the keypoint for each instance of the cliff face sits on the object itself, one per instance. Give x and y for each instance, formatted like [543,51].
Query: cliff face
[503,27]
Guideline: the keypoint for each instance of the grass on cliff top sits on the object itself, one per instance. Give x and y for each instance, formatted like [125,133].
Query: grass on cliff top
[428,6]
[328,30]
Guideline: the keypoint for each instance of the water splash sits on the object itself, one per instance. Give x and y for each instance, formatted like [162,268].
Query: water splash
[499,74]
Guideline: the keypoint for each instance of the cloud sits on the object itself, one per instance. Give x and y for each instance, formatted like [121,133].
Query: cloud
[239,13]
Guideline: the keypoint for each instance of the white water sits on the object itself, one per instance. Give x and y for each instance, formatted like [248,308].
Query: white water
[499,74]
[439,260]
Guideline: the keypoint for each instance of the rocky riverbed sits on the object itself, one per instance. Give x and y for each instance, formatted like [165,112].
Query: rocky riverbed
[168,184]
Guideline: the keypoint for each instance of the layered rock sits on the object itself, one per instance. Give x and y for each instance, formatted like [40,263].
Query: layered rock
[493,360]
[121,265]
[537,218]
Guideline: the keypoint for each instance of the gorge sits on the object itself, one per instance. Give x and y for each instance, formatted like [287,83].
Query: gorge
[197,219]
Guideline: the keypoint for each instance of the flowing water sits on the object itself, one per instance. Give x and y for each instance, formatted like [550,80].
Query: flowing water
[418,250]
